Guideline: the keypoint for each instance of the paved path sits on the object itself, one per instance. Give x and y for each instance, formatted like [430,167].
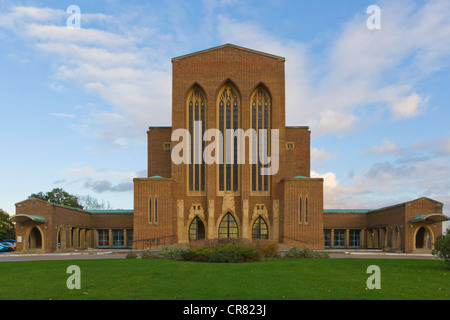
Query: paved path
[121,254]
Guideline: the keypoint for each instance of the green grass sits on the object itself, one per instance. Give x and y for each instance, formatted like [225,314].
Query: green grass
[135,279]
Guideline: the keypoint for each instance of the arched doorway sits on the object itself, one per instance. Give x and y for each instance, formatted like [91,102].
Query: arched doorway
[228,228]
[423,239]
[260,229]
[35,239]
[196,230]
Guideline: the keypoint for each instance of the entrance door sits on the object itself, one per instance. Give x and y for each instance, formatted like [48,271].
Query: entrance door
[196,230]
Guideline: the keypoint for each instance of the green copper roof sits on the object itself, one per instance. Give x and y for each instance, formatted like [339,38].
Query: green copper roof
[301,177]
[435,217]
[23,217]
[156,177]
[346,210]
[111,211]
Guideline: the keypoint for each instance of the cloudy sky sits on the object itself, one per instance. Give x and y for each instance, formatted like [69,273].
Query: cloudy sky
[76,103]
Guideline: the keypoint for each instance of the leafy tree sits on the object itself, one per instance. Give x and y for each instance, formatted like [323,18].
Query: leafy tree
[442,247]
[59,196]
[7,230]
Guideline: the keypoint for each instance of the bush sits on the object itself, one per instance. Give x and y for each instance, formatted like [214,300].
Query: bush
[196,255]
[171,253]
[149,255]
[131,255]
[267,249]
[222,251]
[236,252]
[442,248]
[304,253]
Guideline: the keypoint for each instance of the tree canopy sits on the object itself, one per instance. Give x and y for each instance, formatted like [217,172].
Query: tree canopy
[59,196]
[7,230]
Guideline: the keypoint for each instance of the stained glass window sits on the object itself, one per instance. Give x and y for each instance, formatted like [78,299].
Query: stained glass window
[196,108]
[228,104]
[260,109]
[228,228]
[260,230]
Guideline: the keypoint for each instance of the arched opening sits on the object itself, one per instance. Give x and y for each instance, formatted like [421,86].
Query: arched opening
[35,239]
[260,229]
[61,245]
[228,228]
[196,230]
[423,239]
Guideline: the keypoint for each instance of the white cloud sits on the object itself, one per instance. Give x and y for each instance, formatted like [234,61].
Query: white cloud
[362,70]
[64,115]
[388,147]
[407,107]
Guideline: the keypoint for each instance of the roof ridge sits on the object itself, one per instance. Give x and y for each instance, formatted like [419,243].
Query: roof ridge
[229,45]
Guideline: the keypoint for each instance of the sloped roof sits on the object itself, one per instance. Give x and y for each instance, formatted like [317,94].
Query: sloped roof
[228,45]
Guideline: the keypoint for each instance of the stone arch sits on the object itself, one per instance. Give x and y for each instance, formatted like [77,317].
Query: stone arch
[260,228]
[423,238]
[197,229]
[228,226]
[35,238]
[61,239]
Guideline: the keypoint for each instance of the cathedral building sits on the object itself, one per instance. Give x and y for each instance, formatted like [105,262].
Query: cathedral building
[229,167]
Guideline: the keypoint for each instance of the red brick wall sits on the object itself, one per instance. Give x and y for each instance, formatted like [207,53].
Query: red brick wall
[210,70]
[159,160]
[59,216]
[298,160]
[308,234]
[160,189]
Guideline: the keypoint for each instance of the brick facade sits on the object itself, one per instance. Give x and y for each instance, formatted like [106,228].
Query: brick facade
[289,210]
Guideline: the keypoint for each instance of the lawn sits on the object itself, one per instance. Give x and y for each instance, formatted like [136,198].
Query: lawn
[153,279]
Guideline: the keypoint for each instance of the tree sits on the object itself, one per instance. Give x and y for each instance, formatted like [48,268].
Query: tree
[59,196]
[7,229]
[90,203]
[442,247]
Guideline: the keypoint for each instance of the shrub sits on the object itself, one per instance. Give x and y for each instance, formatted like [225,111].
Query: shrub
[222,251]
[197,255]
[442,248]
[267,248]
[237,252]
[131,255]
[149,255]
[171,253]
[225,257]
[304,253]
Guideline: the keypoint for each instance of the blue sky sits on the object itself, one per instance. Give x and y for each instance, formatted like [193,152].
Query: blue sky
[76,103]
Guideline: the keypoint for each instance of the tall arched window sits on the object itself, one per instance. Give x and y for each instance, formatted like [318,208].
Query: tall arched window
[300,211]
[259,229]
[196,109]
[306,210]
[156,210]
[150,209]
[228,118]
[228,228]
[260,117]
